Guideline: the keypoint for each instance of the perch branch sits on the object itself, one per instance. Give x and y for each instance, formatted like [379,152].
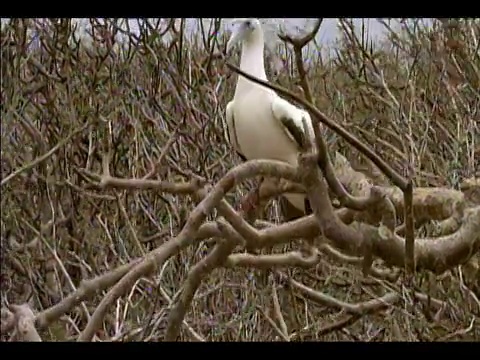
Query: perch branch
[434,254]
[187,236]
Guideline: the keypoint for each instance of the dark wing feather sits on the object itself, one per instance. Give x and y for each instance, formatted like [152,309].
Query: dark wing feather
[290,212]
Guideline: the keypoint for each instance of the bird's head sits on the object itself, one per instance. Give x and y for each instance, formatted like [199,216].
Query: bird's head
[244,31]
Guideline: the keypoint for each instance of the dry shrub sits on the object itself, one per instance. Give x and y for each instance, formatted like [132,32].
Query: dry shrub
[155,110]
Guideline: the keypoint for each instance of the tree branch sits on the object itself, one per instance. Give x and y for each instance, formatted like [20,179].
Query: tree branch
[204,267]
[187,236]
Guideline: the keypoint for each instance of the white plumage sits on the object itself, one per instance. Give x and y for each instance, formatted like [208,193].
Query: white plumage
[254,115]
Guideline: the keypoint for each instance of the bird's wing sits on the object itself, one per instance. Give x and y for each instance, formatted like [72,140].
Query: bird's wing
[232,135]
[291,119]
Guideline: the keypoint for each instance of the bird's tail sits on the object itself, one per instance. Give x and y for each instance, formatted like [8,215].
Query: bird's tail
[290,212]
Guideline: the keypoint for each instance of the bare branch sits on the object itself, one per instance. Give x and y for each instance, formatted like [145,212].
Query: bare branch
[291,259]
[187,236]
[300,42]
[217,256]
[43,157]
[357,309]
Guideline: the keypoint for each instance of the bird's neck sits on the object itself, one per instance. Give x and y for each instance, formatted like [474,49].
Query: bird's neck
[252,63]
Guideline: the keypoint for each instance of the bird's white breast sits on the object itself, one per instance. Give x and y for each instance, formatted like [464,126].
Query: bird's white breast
[261,136]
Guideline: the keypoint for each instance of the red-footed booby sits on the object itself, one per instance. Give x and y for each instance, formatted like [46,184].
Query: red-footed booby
[254,116]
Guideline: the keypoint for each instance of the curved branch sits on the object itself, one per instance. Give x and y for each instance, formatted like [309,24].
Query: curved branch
[187,236]
[433,254]
[300,42]
[357,309]
[205,266]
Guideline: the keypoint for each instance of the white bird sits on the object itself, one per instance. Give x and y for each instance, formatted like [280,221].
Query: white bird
[254,116]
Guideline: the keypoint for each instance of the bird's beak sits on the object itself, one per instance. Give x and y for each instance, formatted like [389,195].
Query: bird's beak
[235,38]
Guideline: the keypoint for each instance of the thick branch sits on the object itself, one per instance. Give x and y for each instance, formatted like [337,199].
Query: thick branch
[187,236]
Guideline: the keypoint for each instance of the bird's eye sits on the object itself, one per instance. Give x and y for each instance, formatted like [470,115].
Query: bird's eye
[248,23]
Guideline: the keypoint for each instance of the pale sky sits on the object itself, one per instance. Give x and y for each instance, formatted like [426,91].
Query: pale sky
[328,32]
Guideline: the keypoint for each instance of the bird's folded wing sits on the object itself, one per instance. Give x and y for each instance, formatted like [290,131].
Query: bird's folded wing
[232,134]
[291,119]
